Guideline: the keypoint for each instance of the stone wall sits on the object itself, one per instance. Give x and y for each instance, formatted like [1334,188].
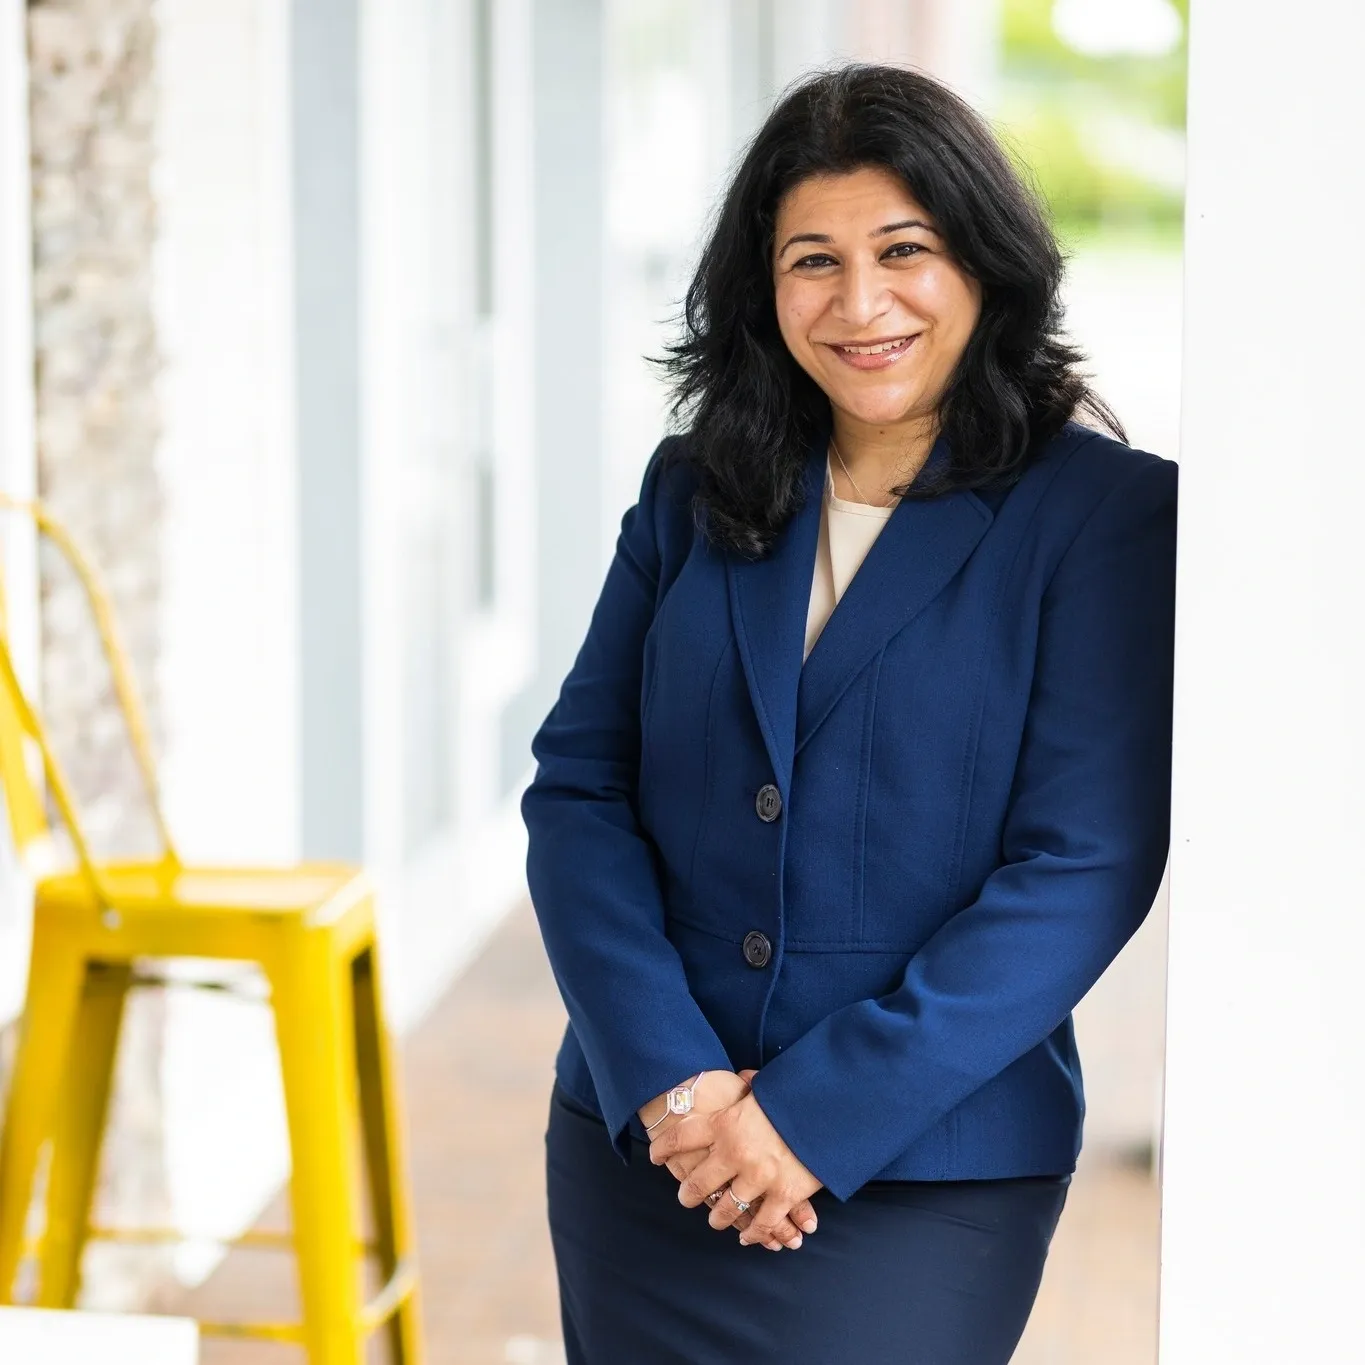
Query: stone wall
[93,110]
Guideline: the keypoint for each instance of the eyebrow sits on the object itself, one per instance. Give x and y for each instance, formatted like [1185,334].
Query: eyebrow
[824,239]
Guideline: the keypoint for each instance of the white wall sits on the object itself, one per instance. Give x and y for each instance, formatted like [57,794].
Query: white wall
[17,459]
[1263,1220]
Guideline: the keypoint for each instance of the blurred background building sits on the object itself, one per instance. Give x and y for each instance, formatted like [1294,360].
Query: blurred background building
[324,323]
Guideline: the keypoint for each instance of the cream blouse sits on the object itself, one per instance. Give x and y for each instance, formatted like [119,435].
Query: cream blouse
[847,530]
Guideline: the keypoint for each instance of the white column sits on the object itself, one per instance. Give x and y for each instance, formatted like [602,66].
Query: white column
[17,458]
[960,45]
[224,316]
[1263,1240]
[955,40]
[16,252]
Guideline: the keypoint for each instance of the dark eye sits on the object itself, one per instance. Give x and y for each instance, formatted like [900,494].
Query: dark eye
[816,262]
[903,251]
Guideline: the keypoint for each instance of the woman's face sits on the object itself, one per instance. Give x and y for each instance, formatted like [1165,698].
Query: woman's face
[869,300]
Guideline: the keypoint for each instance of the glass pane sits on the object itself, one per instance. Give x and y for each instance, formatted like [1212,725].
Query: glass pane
[428,697]
[483,155]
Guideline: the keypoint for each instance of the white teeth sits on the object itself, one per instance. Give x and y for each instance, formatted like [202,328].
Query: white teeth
[875,350]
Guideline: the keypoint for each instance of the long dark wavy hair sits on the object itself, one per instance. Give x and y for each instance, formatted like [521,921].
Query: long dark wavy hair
[752,412]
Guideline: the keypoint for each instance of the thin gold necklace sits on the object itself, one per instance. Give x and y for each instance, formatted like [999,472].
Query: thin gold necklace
[862,497]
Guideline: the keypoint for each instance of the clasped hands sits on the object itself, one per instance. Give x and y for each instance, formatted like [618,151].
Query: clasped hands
[727,1141]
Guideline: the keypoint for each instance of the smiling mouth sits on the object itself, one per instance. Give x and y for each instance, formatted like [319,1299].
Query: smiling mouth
[875,355]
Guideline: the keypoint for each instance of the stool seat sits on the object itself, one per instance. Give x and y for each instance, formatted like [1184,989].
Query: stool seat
[161,909]
[141,886]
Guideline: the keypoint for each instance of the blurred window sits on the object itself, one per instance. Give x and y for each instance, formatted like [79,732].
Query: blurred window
[671,93]
[485,291]
[435,502]
[483,155]
[428,679]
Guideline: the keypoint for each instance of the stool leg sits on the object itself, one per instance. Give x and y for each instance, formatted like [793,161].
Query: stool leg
[381,1112]
[50,1008]
[78,1129]
[313,1023]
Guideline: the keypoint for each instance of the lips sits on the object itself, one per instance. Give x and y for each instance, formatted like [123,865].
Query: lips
[873,355]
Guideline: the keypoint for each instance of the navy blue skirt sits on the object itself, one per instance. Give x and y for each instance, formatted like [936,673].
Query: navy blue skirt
[915,1273]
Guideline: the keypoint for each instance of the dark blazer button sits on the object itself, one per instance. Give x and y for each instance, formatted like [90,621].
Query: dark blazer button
[757,950]
[768,803]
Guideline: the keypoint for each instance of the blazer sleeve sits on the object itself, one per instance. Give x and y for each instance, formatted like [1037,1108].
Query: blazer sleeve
[1085,843]
[591,867]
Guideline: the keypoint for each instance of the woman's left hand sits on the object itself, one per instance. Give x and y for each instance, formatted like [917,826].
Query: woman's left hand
[746,1152]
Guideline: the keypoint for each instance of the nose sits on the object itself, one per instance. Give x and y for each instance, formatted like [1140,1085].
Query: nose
[863,296]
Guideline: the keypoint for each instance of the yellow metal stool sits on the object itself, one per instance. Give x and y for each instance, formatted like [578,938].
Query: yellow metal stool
[311,929]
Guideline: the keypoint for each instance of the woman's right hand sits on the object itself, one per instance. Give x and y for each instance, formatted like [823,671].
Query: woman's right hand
[719,1090]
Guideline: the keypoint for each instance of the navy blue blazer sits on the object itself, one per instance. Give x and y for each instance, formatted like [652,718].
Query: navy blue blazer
[974,776]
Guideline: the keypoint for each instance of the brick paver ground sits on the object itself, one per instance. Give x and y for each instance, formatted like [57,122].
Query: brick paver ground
[478,1073]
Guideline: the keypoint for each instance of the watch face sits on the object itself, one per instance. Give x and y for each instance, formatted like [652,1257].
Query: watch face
[679,1101]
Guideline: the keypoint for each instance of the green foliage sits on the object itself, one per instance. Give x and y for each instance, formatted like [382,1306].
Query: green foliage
[1086,193]
[1053,101]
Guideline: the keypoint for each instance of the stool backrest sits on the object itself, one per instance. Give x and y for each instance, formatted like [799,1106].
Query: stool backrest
[22,730]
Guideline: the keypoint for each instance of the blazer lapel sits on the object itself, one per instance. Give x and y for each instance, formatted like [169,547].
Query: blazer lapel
[919,551]
[769,600]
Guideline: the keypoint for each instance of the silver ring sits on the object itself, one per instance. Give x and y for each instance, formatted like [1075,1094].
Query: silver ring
[714,1197]
[741,1204]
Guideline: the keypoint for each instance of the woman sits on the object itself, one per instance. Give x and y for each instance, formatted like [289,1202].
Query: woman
[861,777]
